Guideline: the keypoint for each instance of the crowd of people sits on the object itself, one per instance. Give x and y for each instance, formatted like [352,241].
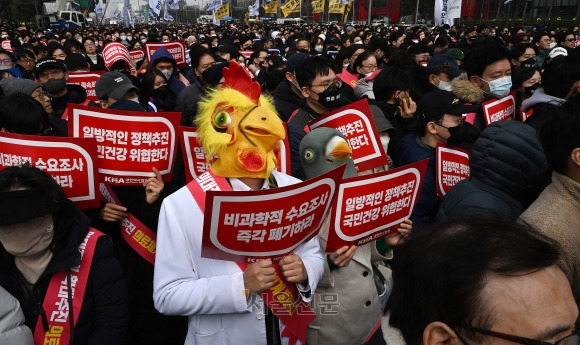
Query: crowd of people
[495,258]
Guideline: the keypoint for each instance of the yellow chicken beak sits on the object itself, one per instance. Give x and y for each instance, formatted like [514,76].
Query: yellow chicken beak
[262,127]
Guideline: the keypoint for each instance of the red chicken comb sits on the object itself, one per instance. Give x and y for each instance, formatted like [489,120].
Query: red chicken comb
[237,78]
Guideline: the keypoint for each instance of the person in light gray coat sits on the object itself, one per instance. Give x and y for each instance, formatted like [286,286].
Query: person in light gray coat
[13,331]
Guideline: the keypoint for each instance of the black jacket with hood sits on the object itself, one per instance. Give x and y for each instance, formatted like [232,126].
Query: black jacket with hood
[103,315]
[508,172]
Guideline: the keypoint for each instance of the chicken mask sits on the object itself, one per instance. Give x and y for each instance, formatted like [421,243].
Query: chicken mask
[239,126]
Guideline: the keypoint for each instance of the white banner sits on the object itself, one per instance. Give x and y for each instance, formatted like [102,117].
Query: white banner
[155,5]
[254,9]
[172,4]
[446,11]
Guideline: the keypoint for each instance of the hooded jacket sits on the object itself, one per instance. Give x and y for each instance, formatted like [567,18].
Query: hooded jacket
[174,83]
[103,315]
[508,171]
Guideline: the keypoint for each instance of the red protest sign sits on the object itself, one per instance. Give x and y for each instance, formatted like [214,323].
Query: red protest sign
[176,48]
[502,109]
[372,206]
[6,45]
[86,80]
[114,52]
[129,143]
[70,161]
[348,78]
[355,122]
[246,53]
[271,223]
[452,167]
[137,55]
[525,114]
[194,154]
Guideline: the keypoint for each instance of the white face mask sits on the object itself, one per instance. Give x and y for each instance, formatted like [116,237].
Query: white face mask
[134,99]
[368,74]
[143,41]
[29,238]
[4,36]
[345,66]
[552,44]
[80,40]
[123,38]
[444,85]
[318,48]
[167,73]
[385,142]
[129,38]
[145,32]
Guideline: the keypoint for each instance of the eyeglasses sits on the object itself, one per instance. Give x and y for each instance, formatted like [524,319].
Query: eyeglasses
[89,44]
[572,339]
[41,95]
[571,40]
[26,61]
[6,61]
[336,83]
[459,122]
[373,67]
[44,75]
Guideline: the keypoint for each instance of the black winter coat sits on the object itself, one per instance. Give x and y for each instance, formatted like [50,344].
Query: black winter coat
[103,316]
[508,172]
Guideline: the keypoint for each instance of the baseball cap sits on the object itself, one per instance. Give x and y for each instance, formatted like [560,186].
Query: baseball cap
[47,62]
[444,63]
[456,53]
[558,51]
[294,60]
[113,84]
[434,104]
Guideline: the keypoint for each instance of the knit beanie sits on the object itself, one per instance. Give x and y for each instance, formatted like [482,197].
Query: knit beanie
[13,85]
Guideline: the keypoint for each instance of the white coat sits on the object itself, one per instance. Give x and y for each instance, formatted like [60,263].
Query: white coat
[210,291]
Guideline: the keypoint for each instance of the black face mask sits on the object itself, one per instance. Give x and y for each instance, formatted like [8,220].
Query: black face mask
[529,63]
[306,51]
[54,86]
[529,91]
[330,97]
[457,135]
[161,93]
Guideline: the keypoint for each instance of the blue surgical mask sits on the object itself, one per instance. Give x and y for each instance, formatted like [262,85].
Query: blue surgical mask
[499,87]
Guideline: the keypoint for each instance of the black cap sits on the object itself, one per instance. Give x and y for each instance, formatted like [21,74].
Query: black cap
[294,60]
[444,63]
[49,62]
[278,61]
[434,104]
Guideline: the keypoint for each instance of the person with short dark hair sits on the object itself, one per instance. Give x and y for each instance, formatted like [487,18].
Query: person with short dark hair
[22,114]
[542,40]
[53,75]
[202,58]
[438,120]
[556,212]
[478,281]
